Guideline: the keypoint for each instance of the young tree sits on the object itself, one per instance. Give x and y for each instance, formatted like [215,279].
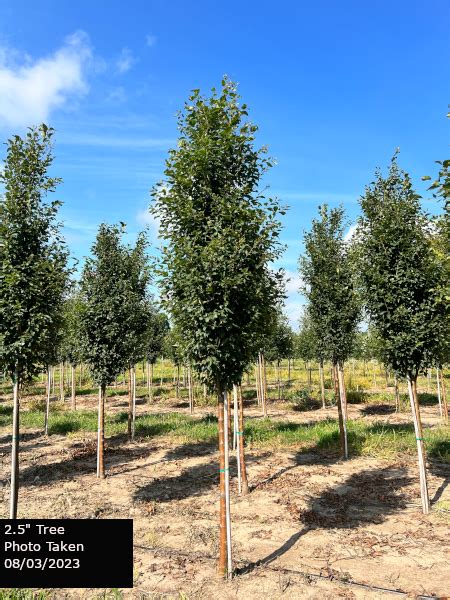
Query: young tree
[33,272]
[154,339]
[105,293]
[71,337]
[333,304]
[401,278]
[222,234]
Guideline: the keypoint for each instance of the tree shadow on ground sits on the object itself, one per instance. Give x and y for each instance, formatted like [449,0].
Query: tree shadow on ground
[24,437]
[82,461]
[426,399]
[363,498]
[377,409]
[440,469]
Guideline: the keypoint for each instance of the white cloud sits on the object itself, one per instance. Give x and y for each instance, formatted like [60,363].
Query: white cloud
[146,218]
[294,311]
[125,61]
[30,91]
[293,282]
[150,40]
[350,233]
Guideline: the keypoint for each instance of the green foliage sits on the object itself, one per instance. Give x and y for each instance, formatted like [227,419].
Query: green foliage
[71,343]
[33,256]
[327,271]
[307,345]
[278,342]
[400,274]
[222,234]
[368,345]
[108,297]
[155,334]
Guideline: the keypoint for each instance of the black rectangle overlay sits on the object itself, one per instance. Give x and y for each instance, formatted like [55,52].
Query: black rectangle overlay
[66,553]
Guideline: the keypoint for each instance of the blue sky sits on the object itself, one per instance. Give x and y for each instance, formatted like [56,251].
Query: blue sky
[335,87]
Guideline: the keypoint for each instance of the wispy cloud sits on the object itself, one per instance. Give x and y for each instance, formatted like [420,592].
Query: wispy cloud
[86,139]
[146,218]
[31,90]
[350,233]
[293,282]
[125,61]
[150,40]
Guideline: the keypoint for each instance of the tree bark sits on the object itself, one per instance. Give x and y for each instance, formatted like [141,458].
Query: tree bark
[61,381]
[101,432]
[343,391]
[130,404]
[74,400]
[133,397]
[47,400]
[322,384]
[222,565]
[396,394]
[342,424]
[240,441]
[278,380]
[227,413]
[14,497]
[444,396]
[412,390]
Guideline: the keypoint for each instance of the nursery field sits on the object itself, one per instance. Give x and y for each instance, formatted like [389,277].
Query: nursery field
[312,526]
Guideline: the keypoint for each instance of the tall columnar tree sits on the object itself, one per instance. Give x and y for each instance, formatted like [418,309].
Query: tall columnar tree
[134,325]
[154,340]
[221,236]
[33,272]
[327,270]
[401,278]
[105,293]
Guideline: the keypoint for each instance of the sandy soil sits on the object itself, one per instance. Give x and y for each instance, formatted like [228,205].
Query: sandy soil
[312,526]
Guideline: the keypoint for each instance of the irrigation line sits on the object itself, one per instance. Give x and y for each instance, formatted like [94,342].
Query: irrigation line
[307,574]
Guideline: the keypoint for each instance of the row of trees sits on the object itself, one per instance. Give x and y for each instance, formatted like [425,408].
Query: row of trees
[220,237]
[392,269]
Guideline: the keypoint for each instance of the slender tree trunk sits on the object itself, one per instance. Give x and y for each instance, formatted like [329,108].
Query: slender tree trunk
[101,432]
[322,384]
[47,400]
[240,440]
[428,381]
[226,411]
[335,383]
[441,412]
[130,403]
[133,394]
[412,390]
[343,391]
[342,424]
[178,382]
[222,566]
[53,380]
[74,400]
[289,371]
[258,395]
[190,391]
[444,396]
[278,380]
[61,381]
[396,394]
[14,497]
[148,381]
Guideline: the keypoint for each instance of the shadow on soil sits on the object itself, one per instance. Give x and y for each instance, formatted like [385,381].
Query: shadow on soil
[363,498]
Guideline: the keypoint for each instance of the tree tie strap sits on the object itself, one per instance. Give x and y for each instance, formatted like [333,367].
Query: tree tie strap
[420,439]
[223,470]
[239,433]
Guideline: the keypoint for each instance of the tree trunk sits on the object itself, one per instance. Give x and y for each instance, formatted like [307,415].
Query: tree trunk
[61,381]
[258,396]
[412,390]
[441,412]
[343,391]
[396,394]
[240,441]
[289,371]
[444,396]
[322,384]
[342,423]
[133,396]
[178,382]
[190,391]
[223,525]
[101,432]
[278,380]
[14,497]
[226,411]
[130,404]
[47,400]
[74,400]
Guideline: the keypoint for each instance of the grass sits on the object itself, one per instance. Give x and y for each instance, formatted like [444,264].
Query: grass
[365,439]
[23,594]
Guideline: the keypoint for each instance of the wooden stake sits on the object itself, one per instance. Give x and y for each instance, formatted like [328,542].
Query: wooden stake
[342,410]
[240,441]
[74,401]
[322,384]
[439,393]
[236,445]
[133,420]
[130,404]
